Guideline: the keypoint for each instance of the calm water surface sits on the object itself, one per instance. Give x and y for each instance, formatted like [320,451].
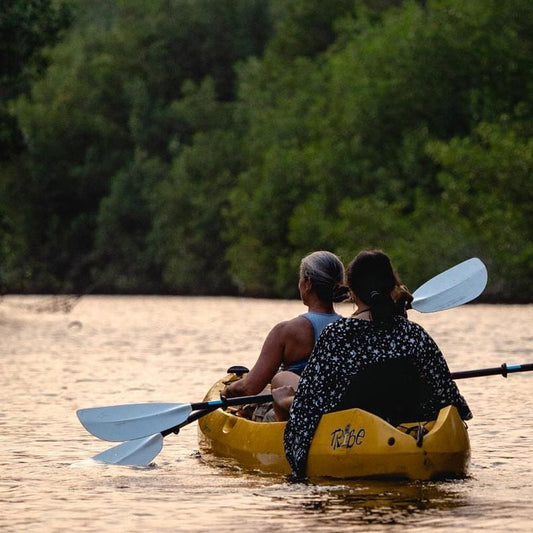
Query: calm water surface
[112,350]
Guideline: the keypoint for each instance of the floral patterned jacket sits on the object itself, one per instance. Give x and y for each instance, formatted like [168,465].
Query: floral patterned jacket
[345,348]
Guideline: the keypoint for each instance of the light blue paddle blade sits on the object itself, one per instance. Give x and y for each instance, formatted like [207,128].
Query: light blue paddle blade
[132,421]
[452,288]
[138,452]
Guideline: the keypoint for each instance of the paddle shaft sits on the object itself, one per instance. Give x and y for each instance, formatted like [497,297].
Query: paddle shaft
[502,370]
[204,408]
[227,402]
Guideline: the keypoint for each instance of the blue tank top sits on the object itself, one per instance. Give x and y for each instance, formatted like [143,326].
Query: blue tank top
[319,322]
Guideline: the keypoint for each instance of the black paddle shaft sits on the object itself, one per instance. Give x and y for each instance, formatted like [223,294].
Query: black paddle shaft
[503,370]
[204,408]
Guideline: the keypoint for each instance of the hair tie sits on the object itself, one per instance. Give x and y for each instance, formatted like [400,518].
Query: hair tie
[341,293]
[374,295]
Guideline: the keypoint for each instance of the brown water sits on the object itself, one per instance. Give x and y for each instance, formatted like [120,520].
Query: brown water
[112,350]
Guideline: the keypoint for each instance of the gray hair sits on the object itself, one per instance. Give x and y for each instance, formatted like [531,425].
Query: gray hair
[326,272]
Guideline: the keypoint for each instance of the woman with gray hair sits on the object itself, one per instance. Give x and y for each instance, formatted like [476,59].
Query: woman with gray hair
[289,344]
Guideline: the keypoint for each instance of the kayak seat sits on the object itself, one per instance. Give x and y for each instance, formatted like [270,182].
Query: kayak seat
[392,390]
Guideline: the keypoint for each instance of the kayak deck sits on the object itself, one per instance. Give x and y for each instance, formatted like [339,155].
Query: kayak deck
[347,444]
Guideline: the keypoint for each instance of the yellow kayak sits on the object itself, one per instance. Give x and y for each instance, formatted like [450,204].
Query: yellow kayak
[347,444]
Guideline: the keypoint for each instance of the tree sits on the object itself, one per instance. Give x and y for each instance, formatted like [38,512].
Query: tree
[486,178]
[188,235]
[26,28]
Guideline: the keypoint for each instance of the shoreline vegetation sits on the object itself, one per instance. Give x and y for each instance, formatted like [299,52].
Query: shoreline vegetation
[170,147]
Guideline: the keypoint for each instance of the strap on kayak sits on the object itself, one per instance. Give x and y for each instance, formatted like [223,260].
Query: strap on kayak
[420,435]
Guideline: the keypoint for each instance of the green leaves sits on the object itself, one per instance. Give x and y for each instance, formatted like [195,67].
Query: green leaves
[486,179]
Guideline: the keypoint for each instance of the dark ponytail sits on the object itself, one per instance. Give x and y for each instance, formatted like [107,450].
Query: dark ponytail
[372,278]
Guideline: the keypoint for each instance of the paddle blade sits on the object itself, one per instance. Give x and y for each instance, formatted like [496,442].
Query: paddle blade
[132,421]
[453,287]
[139,452]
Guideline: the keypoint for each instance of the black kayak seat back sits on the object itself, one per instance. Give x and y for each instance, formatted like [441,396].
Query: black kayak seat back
[393,390]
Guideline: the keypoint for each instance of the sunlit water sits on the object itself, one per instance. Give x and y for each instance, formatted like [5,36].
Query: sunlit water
[112,350]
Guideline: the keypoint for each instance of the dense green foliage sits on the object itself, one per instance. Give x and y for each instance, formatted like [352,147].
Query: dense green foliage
[204,146]
[25,28]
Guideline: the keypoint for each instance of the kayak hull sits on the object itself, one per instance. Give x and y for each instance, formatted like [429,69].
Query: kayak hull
[347,444]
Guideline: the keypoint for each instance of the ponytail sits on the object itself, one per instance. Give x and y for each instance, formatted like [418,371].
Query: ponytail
[373,279]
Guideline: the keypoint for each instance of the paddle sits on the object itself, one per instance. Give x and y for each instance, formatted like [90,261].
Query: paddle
[142,451]
[132,421]
[138,452]
[453,287]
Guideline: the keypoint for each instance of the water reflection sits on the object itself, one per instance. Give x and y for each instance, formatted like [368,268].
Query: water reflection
[351,503]
[380,502]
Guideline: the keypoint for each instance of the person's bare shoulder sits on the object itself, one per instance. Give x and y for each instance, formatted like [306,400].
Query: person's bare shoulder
[295,327]
[297,337]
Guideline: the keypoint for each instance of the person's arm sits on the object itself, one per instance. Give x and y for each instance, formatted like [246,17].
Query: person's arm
[438,376]
[266,366]
[288,341]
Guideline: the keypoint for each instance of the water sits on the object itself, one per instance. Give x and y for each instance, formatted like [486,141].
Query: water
[112,350]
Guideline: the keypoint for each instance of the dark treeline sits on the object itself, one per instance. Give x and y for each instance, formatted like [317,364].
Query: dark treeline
[204,146]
